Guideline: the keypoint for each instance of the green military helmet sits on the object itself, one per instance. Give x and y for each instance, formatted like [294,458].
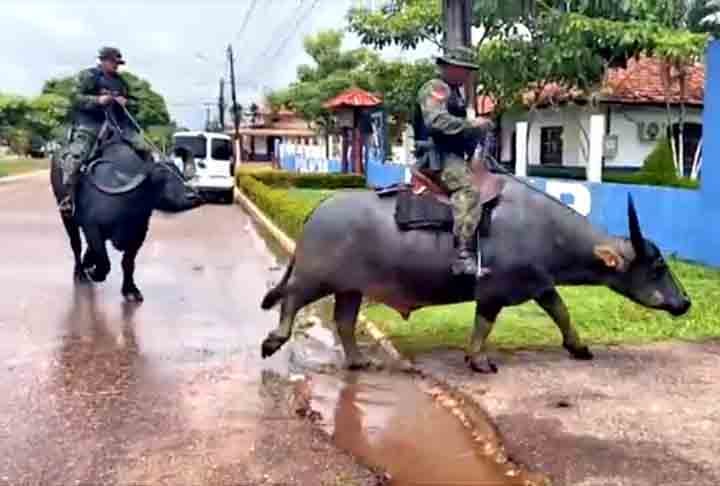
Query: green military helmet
[459,56]
[111,53]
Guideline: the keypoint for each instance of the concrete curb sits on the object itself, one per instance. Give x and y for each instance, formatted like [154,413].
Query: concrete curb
[27,175]
[468,409]
[288,244]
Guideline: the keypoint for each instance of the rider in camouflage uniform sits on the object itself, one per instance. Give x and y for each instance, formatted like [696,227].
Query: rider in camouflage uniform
[97,89]
[445,143]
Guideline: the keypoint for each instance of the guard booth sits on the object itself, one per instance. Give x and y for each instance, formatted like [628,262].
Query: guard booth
[352,108]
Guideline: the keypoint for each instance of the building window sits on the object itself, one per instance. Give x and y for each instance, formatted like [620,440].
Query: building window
[551,145]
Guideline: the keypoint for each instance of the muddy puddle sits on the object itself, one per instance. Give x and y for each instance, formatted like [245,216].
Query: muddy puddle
[388,420]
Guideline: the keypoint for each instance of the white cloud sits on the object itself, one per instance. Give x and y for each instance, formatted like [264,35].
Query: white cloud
[178,46]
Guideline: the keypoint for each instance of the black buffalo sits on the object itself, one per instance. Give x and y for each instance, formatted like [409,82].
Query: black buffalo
[351,247]
[115,200]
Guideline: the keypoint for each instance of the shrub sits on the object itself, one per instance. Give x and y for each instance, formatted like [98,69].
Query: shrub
[658,170]
[287,212]
[659,164]
[19,141]
[275,178]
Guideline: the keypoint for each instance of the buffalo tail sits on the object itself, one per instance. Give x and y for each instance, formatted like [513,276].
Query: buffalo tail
[278,292]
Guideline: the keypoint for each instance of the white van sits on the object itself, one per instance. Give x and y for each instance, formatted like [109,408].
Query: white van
[210,168]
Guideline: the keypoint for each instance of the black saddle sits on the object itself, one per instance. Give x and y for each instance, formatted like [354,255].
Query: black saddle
[113,176]
[425,211]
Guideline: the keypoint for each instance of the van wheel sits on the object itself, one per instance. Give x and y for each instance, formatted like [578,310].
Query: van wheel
[228,197]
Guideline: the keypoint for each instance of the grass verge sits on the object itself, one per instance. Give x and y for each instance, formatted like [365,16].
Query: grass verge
[288,207]
[600,316]
[10,167]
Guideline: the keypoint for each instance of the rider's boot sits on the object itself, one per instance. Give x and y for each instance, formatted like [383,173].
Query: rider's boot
[71,176]
[467,262]
[67,205]
[464,263]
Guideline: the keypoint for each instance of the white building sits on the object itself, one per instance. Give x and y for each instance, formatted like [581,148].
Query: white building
[633,101]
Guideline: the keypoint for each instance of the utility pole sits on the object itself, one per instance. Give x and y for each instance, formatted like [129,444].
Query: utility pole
[221,105]
[457,19]
[236,121]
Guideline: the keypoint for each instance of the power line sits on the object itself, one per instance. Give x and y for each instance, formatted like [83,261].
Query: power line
[286,40]
[300,18]
[281,28]
[246,19]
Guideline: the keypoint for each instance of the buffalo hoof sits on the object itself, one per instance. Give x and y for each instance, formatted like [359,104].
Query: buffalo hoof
[96,276]
[360,364]
[480,364]
[81,276]
[133,295]
[581,353]
[272,344]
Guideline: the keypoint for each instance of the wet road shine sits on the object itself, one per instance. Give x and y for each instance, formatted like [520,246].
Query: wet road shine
[97,391]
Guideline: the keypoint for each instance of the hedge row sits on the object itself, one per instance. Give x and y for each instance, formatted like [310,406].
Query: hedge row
[287,212]
[642,177]
[274,178]
[650,179]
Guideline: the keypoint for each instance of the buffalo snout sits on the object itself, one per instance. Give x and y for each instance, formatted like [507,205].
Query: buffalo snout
[680,307]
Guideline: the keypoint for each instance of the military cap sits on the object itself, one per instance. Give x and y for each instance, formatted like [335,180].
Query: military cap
[111,53]
[458,56]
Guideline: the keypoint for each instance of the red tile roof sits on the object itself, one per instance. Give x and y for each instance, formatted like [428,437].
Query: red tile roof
[353,97]
[641,82]
[484,105]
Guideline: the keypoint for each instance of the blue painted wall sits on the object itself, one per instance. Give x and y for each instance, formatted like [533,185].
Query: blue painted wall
[379,174]
[675,219]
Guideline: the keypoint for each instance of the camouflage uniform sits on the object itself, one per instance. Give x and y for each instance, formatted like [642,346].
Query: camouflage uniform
[88,117]
[454,139]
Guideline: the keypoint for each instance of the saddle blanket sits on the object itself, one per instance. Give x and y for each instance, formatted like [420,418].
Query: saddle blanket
[423,211]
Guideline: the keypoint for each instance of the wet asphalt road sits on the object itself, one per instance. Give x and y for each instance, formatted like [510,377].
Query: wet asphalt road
[99,392]
[174,391]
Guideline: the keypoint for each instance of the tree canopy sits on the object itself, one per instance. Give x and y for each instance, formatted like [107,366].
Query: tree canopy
[151,107]
[528,43]
[336,70]
[41,118]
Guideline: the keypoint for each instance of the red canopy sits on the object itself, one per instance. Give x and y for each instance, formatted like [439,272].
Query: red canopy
[353,97]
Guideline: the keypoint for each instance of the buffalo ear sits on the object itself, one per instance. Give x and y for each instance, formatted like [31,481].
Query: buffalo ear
[636,237]
[610,256]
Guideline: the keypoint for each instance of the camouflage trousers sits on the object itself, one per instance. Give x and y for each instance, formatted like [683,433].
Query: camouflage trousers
[467,209]
[78,150]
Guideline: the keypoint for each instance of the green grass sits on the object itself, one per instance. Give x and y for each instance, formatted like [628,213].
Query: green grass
[309,196]
[600,316]
[10,167]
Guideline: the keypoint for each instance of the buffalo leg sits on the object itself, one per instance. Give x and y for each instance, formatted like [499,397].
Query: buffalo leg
[277,337]
[129,289]
[347,307]
[73,232]
[552,303]
[476,358]
[100,258]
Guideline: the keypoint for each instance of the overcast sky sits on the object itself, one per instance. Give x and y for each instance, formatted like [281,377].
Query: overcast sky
[178,46]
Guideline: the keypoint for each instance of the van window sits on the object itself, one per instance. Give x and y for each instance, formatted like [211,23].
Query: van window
[221,149]
[197,145]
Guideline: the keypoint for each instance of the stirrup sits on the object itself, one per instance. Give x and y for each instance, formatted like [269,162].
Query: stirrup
[464,263]
[481,271]
[67,206]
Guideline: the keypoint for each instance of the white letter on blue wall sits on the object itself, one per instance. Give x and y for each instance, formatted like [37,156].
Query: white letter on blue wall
[577,196]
